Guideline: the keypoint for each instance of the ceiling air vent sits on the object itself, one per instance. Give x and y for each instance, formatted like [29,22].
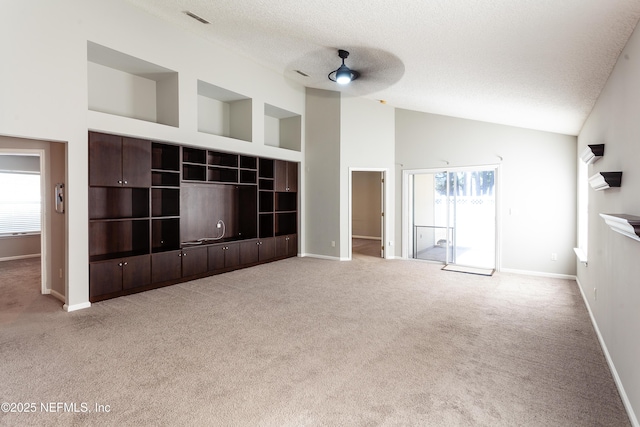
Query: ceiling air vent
[196,17]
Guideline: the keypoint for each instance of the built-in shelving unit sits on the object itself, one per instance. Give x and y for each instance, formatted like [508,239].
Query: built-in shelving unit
[127,86]
[282,128]
[223,112]
[163,213]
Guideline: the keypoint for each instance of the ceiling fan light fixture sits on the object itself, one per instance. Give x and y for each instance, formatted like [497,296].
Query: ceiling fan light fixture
[343,75]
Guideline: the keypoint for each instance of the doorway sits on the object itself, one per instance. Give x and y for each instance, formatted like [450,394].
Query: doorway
[452,216]
[44,248]
[367,221]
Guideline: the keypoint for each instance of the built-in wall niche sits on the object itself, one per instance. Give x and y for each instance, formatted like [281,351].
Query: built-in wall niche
[282,128]
[124,85]
[223,112]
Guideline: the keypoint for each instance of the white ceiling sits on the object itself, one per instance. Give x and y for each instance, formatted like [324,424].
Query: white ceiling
[538,64]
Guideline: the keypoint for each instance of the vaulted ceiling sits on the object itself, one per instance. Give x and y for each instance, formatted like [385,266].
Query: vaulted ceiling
[538,64]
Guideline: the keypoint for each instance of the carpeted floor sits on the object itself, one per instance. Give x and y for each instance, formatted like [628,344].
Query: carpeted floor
[315,343]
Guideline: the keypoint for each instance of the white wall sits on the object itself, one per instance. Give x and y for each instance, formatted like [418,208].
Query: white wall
[43,81]
[613,268]
[537,182]
[322,173]
[366,142]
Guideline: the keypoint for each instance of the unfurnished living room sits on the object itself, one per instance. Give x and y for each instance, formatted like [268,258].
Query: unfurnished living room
[291,213]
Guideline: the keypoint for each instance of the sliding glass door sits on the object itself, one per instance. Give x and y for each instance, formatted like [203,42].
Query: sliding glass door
[454,216]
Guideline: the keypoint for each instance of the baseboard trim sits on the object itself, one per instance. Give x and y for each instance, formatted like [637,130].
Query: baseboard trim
[331,258]
[538,273]
[11,258]
[56,294]
[366,237]
[612,367]
[74,307]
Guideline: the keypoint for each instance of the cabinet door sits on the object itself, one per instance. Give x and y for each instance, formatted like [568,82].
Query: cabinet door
[287,246]
[105,160]
[194,261]
[292,177]
[281,246]
[136,272]
[249,251]
[286,176]
[292,245]
[105,277]
[232,255]
[216,257]
[280,175]
[166,266]
[136,162]
[267,249]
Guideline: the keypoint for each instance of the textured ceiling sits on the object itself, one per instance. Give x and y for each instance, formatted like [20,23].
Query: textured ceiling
[538,64]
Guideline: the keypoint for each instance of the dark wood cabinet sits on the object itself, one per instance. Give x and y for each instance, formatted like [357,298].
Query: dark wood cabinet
[224,256]
[112,276]
[194,261]
[166,266]
[157,210]
[116,161]
[285,176]
[286,246]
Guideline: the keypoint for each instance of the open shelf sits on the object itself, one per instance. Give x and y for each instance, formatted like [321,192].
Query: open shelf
[265,202]
[111,239]
[118,202]
[221,174]
[286,223]
[266,225]
[165,179]
[165,234]
[223,112]
[165,202]
[127,86]
[165,157]
[282,128]
[286,202]
[194,155]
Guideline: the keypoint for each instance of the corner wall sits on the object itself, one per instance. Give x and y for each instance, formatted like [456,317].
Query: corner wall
[613,268]
[536,182]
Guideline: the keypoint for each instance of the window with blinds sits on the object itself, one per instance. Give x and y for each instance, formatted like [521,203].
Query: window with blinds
[19,203]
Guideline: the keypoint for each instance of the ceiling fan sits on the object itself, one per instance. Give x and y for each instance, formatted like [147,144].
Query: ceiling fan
[343,75]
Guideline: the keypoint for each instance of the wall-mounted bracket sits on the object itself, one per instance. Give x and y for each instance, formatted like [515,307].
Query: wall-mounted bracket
[605,180]
[628,225]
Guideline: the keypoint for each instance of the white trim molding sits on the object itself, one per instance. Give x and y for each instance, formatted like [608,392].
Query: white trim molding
[627,225]
[75,307]
[623,394]
[539,274]
[582,257]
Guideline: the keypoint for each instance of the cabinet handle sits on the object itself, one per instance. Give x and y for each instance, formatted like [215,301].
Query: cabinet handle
[119,264]
[126,263]
[125,181]
[184,254]
[119,181]
[180,254]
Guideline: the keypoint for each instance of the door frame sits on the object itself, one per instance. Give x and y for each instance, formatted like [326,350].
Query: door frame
[385,222]
[407,212]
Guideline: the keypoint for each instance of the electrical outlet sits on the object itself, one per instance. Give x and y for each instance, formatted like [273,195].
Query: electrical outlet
[218,225]
[60,273]
[554,256]
[333,243]
[595,294]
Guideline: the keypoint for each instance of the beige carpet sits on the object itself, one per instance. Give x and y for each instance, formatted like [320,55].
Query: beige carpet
[306,342]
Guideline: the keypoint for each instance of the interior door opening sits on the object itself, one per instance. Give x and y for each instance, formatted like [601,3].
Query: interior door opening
[453,216]
[367,213]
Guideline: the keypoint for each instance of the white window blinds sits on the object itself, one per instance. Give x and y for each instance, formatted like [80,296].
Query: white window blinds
[19,203]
